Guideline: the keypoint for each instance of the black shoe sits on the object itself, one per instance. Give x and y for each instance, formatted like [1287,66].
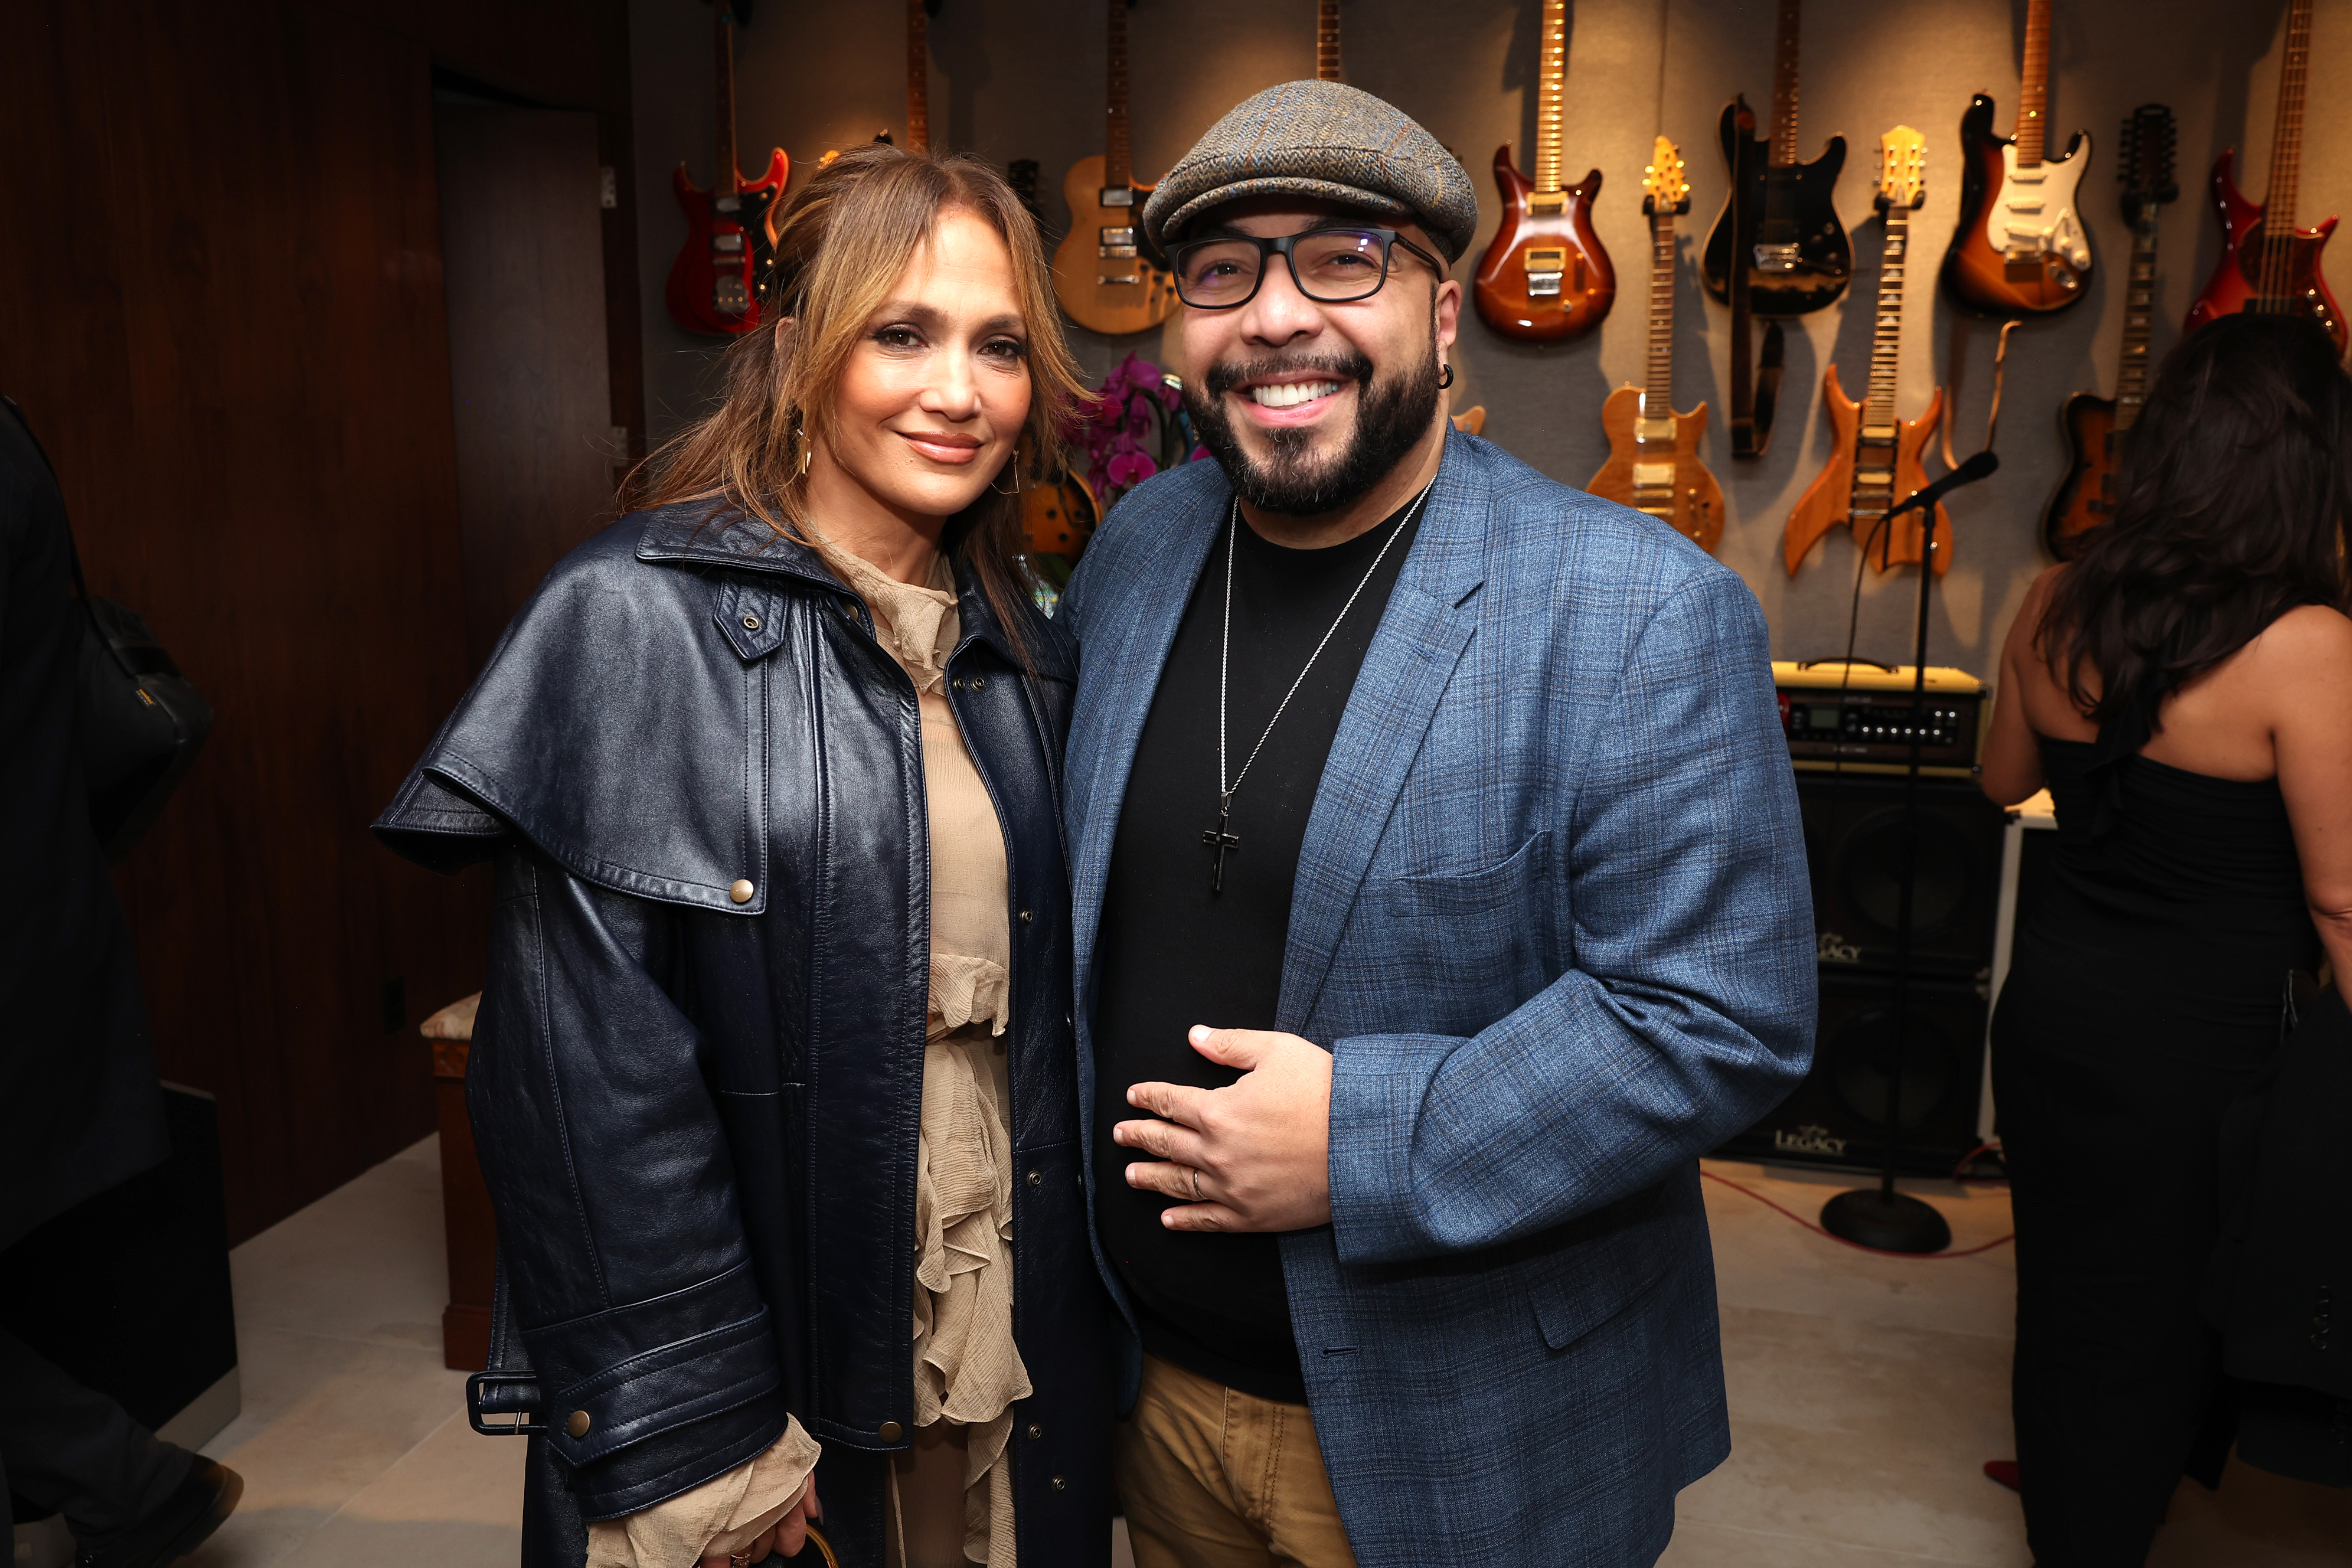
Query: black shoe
[184,1522]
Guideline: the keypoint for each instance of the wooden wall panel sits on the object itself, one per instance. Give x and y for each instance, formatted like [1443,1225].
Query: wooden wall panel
[222,304]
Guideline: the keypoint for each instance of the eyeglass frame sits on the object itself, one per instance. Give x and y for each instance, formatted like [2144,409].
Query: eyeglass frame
[1280,244]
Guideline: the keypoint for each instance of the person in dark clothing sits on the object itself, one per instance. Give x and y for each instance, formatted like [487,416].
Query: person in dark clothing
[2184,689]
[80,1109]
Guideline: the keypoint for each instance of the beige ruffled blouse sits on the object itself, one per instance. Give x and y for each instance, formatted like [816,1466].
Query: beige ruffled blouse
[968,1370]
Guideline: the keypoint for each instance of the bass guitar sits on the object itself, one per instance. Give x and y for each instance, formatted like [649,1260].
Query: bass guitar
[1100,273]
[2095,428]
[1781,215]
[1545,277]
[1875,457]
[1654,464]
[2268,266]
[2020,251]
[730,228]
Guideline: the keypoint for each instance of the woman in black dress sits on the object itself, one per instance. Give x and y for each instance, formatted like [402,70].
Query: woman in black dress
[2184,691]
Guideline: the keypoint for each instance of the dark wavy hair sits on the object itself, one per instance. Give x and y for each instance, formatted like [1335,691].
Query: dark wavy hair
[2236,485]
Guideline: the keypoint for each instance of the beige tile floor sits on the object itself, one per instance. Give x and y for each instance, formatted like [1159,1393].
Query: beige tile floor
[1864,1391]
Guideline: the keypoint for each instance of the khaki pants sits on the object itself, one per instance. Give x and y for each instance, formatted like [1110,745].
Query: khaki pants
[1214,1478]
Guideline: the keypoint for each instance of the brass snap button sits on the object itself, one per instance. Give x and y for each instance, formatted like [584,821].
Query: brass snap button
[979,682]
[1025,917]
[1036,1179]
[888,1431]
[1060,1485]
[1035,1431]
[751,622]
[579,1424]
[741,890]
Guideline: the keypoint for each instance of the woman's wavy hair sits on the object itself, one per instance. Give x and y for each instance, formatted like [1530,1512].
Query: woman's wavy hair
[843,241]
[2237,483]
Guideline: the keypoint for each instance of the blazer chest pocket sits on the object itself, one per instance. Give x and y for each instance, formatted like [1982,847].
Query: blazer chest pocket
[1474,945]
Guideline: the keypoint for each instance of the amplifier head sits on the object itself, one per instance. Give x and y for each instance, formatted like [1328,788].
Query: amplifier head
[1865,714]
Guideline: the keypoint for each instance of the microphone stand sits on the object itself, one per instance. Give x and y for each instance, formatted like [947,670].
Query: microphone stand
[1880,1216]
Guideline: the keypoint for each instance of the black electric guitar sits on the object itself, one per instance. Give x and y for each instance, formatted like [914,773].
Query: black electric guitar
[1780,219]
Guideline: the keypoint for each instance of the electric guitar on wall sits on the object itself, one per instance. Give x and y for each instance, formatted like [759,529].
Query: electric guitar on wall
[1545,277]
[1781,214]
[1100,274]
[730,228]
[1326,40]
[2095,427]
[2268,266]
[1654,464]
[2019,249]
[1876,458]
[918,74]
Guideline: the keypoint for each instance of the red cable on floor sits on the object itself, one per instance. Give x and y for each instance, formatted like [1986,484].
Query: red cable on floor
[1880,1251]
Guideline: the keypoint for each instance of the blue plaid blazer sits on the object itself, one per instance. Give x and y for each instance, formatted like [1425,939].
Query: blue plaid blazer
[1552,921]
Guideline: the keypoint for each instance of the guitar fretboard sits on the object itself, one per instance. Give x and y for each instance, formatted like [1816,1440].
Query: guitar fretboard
[724,182]
[1784,87]
[2139,304]
[1551,110]
[1326,40]
[918,78]
[1886,333]
[1118,167]
[1658,387]
[2033,86]
[2286,155]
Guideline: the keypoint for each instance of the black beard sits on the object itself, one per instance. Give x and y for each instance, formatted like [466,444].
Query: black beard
[1391,415]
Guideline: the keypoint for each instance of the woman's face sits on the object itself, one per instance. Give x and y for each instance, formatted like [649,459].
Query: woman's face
[934,395]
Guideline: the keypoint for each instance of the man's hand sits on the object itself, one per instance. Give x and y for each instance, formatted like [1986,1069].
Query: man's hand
[1254,1156]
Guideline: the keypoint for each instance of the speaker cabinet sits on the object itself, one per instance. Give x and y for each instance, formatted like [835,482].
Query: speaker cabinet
[1853,844]
[1838,1115]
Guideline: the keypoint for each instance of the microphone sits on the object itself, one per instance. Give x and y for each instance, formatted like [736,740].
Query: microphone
[1979,466]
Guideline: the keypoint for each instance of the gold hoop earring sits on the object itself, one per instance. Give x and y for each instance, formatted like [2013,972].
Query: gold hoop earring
[1013,467]
[806,449]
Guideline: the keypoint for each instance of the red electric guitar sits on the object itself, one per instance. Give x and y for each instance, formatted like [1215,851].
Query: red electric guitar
[2269,266]
[730,228]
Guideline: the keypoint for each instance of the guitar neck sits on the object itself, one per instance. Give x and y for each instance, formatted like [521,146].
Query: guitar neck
[1658,389]
[2033,86]
[918,77]
[2139,304]
[1784,87]
[1886,337]
[2286,134]
[1326,40]
[1551,110]
[726,181]
[1118,166]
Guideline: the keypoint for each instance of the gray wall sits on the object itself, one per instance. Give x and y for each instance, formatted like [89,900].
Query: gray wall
[1022,78]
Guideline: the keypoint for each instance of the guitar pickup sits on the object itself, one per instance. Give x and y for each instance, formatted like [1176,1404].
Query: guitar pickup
[1879,434]
[1545,266]
[1129,277]
[1875,479]
[1655,476]
[727,245]
[1648,430]
[1125,236]
[1115,196]
[728,296]
[1548,205]
[726,203]
[1776,258]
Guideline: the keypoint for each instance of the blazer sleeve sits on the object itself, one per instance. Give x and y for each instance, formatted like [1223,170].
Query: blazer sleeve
[1686,1011]
[616,1196]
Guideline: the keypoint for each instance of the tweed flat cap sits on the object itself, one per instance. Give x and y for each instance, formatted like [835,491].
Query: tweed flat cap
[1320,139]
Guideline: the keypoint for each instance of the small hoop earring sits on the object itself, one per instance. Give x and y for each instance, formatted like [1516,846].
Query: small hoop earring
[1445,376]
[806,449]
[1013,467]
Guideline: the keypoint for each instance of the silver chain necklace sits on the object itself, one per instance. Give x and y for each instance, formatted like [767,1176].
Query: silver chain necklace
[1220,838]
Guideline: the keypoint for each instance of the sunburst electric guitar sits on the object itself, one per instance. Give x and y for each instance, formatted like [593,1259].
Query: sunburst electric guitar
[1100,273]
[1875,457]
[2021,248]
[1654,464]
[731,227]
[1545,277]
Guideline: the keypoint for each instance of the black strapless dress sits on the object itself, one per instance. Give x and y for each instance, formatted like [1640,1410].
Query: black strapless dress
[2142,998]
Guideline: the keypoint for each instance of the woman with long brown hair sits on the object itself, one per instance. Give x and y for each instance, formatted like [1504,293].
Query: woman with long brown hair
[773,1079]
[2184,688]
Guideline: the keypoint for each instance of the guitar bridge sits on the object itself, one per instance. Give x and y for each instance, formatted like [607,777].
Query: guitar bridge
[1547,265]
[1782,259]
[1114,242]
[728,295]
[1128,277]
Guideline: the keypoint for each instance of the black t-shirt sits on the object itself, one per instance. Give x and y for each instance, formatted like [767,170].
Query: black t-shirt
[1175,953]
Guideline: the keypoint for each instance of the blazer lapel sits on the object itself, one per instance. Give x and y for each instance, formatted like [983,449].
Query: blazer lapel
[1421,636]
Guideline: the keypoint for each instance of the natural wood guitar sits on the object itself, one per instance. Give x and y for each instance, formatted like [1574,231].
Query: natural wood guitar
[730,227]
[1100,273]
[1654,464]
[1545,277]
[2096,428]
[2019,249]
[1875,457]
[2268,266]
[1326,40]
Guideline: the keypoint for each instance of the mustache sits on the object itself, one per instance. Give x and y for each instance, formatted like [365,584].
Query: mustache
[1225,376]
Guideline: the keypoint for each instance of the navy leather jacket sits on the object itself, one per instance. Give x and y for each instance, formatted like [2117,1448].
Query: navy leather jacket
[697,1070]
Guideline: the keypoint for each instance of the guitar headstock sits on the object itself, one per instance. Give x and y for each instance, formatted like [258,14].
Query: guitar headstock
[1902,169]
[1664,188]
[2144,160]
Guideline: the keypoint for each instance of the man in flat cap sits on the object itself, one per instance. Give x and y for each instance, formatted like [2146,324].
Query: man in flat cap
[1440,898]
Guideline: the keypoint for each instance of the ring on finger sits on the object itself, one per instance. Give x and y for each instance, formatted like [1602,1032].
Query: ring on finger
[738,1559]
[1196,1184]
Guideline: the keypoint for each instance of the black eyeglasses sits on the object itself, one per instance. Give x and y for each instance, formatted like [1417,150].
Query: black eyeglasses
[1333,265]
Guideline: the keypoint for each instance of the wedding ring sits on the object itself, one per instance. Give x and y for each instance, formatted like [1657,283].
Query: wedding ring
[738,1559]
[1196,1184]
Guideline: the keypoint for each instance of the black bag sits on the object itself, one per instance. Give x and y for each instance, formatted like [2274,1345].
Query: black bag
[141,722]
